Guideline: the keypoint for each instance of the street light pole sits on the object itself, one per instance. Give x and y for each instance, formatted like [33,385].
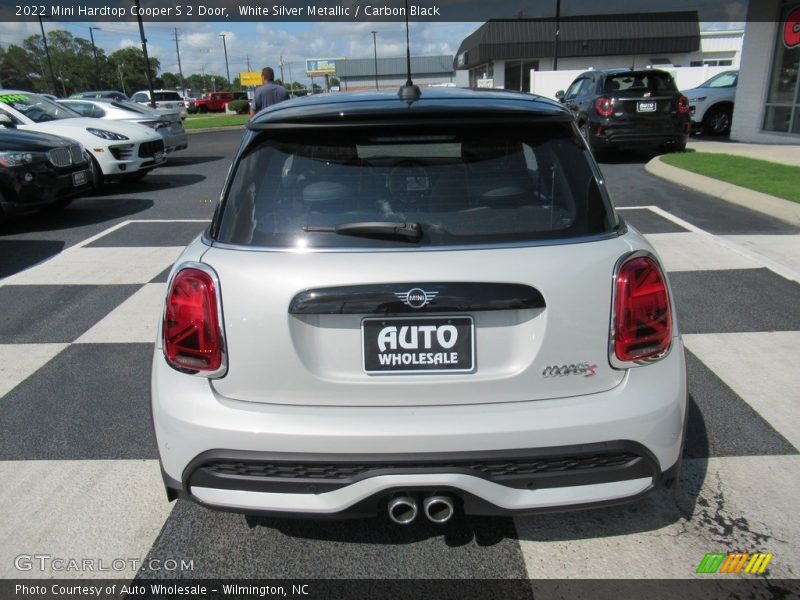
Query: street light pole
[558,32]
[49,62]
[375,52]
[144,51]
[225,48]
[94,52]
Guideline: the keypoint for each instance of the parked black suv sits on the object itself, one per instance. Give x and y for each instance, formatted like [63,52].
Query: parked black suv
[39,170]
[618,108]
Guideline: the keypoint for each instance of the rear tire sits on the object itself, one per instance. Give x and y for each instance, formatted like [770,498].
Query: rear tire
[717,121]
[202,110]
[584,128]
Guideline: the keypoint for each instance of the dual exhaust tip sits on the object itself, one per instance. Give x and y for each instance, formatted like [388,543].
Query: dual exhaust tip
[403,510]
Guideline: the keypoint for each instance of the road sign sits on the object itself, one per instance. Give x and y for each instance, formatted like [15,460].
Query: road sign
[250,78]
[321,66]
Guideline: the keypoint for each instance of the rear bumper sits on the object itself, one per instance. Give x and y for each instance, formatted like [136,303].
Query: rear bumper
[645,414]
[632,135]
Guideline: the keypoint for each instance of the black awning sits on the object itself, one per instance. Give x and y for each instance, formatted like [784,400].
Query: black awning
[590,35]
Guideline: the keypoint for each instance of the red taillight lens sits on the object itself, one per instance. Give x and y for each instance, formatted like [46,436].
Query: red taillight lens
[642,314]
[192,335]
[683,105]
[604,107]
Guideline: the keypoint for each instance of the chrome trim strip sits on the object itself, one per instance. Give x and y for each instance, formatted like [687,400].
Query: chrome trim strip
[488,246]
[615,362]
[223,367]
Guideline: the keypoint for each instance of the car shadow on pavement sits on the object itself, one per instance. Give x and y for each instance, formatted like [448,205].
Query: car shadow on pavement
[153,182]
[89,210]
[657,510]
[625,157]
[18,255]
[182,161]
[459,531]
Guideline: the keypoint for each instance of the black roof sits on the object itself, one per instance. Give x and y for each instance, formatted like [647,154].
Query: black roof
[590,35]
[341,106]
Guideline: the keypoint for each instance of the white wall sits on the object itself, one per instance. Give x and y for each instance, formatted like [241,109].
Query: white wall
[547,83]
[756,65]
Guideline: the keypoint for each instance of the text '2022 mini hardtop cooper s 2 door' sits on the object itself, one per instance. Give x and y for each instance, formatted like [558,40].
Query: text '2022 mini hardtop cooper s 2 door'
[417,307]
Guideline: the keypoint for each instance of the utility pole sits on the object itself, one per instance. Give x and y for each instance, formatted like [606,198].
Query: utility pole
[225,48]
[375,51]
[282,82]
[94,52]
[248,62]
[558,32]
[121,80]
[49,62]
[144,51]
[180,71]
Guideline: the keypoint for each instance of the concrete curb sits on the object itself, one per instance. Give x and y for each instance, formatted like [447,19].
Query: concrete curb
[778,208]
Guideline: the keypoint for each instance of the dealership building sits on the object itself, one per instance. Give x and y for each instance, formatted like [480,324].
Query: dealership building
[767,107]
[360,74]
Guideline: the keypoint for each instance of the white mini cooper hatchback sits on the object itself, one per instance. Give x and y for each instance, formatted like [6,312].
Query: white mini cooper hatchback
[417,306]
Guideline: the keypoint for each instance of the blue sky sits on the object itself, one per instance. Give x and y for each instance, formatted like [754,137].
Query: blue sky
[264,43]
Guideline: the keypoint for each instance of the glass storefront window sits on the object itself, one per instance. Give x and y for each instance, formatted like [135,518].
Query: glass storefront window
[783,98]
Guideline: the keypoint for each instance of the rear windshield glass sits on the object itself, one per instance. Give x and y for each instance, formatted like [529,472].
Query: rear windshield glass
[160,96]
[461,186]
[640,81]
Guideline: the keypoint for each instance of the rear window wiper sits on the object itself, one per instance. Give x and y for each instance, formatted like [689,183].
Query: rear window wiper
[409,231]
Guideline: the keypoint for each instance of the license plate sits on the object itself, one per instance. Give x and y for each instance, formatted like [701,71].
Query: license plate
[79,178]
[418,345]
[646,107]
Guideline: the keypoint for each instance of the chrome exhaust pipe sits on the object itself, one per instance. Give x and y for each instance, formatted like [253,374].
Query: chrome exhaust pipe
[438,509]
[403,510]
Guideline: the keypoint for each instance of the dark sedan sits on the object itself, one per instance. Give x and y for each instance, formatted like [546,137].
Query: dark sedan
[39,170]
[619,108]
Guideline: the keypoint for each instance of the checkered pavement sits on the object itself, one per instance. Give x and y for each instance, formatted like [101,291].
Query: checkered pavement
[79,465]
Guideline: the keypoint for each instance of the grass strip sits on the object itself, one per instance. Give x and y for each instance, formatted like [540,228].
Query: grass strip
[759,175]
[210,121]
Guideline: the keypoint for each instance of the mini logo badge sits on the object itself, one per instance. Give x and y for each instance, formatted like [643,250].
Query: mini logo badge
[416,297]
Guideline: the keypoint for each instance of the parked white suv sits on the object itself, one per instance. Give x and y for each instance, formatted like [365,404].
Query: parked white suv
[166,100]
[417,306]
[711,103]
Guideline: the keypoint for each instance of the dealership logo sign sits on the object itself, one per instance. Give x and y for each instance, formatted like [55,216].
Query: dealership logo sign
[791,29]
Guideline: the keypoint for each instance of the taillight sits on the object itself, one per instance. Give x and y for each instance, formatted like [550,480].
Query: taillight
[193,339]
[642,320]
[683,105]
[604,106]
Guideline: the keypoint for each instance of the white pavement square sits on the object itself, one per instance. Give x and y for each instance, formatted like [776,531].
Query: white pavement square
[736,504]
[101,510]
[783,249]
[99,266]
[697,252]
[133,321]
[760,367]
[20,361]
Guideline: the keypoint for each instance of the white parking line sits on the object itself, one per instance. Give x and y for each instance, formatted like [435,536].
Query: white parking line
[767,262]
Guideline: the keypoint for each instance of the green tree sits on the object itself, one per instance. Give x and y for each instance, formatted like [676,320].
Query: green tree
[128,63]
[18,70]
[72,59]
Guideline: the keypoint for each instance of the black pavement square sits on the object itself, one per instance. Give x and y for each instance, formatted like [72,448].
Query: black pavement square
[646,221]
[38,314]
[144,234]
[376,548]
[91,402]
[736,300]
[162,277]
[721,423]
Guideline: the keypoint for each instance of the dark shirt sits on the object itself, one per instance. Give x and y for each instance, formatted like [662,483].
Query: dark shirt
[268,94]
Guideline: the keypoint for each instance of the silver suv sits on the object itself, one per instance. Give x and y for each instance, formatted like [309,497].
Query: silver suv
[417,307]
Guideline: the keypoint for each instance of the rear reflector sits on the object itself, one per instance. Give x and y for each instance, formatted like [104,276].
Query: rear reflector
[642,314]
[193,338]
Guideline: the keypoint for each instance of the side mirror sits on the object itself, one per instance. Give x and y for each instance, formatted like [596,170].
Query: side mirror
[560,96]
[6,121]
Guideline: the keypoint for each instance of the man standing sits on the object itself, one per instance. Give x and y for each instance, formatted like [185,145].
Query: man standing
[268,94]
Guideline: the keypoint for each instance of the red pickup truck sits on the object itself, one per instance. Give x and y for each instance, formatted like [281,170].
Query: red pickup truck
[215,102]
